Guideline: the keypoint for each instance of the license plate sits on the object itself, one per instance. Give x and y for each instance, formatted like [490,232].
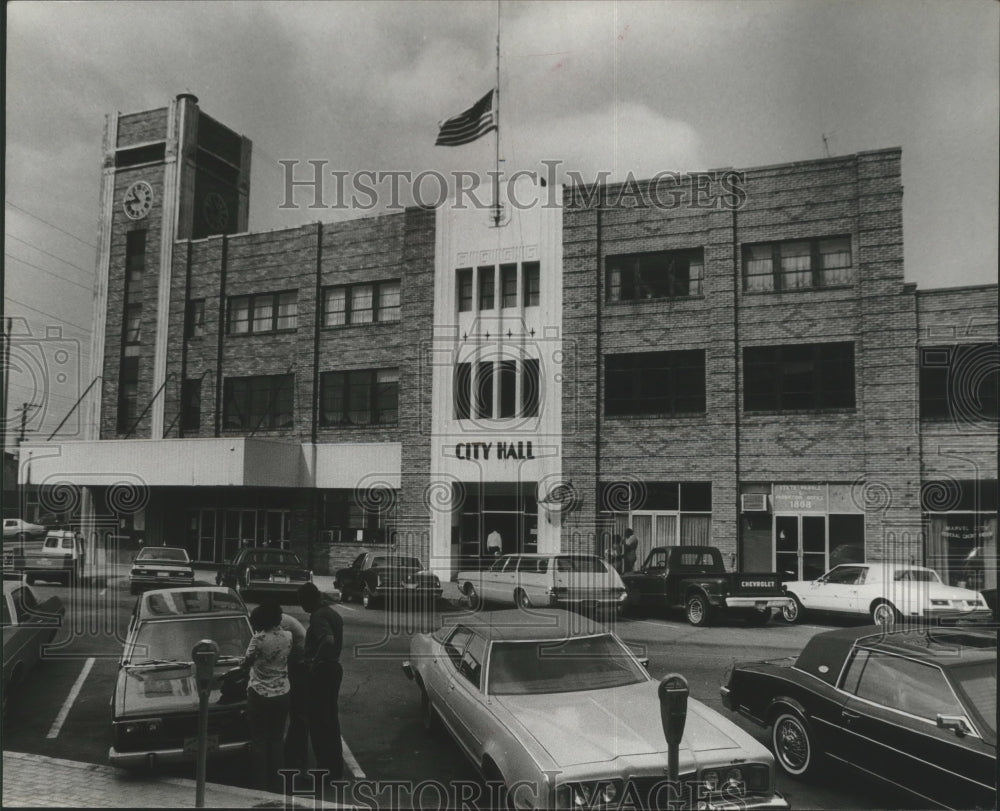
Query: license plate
[47,562]
[163,574]
[279,578]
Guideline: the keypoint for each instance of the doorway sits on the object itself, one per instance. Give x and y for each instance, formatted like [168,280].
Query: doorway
[800,546]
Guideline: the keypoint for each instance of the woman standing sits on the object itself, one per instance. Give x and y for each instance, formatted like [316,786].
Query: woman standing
[267,693]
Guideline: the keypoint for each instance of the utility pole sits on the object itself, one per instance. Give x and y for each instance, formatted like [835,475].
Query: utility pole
[21,500]
[24,419]
[8,328]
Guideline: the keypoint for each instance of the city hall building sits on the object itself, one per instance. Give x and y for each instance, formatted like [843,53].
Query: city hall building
[738,364]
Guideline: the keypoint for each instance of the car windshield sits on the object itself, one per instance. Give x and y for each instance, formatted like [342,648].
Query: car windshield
[917,575]
[395,563]
[562,666]
[172,640]
[278,559]
[978,684]
[578,563]
[162,553]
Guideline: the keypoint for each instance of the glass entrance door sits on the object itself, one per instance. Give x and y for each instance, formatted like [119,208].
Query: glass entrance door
[800,546]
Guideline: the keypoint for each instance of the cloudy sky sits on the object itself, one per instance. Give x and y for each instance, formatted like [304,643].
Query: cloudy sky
[604,86]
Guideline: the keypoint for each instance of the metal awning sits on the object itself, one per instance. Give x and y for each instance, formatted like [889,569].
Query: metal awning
[218,462]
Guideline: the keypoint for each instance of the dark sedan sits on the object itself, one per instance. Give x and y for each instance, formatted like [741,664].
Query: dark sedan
[27,627]
[375,577]
[155,703]
[160,567]
[270,571]
[913,708]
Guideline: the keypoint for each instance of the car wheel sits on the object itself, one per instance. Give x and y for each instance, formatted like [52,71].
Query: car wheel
[758,619]
[792,612]
[493,776]
[367,598]
[885,614]
[698,609]
[471,595]
[793,744]
[521,599]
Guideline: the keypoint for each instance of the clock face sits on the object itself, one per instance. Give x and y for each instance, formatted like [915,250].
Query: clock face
[138,200]
[216,211]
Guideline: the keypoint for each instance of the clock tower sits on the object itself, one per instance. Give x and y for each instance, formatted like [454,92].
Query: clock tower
[169,174]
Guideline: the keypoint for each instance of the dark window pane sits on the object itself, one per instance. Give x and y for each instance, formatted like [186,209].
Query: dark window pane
[696,496]
[662,274]
[464,276]
[335,306]
[655,383]
[486,288]
[191,405]
[484,390]
[388,301]
[332,398]
[195,321]
[508,383]
[532,283]
[530,388]
[359,397]
[387,396]
[508,281]
[463,391]
[960,383]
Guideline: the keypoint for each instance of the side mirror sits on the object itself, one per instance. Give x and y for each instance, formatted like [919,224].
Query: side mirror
[956,723]
[644,661]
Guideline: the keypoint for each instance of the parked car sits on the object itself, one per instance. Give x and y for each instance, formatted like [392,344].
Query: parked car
[17,529]
[27,626]
[262,570]
[546,580]
[374,578]
[916,709]
[554,706]
[60,557]
[155,701]
[695,579]
[886,593]
[160,567]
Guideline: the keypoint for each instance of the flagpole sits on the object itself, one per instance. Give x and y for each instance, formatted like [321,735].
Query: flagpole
[496,176]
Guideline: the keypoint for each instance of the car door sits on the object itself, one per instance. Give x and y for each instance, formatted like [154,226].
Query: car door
[466,698]
[493,582]
[836,591]
[650,582]
[442,686]
[889,720]
[352,577]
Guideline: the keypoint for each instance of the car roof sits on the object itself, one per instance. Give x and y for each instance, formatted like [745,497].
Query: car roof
[549,555]
[825,653]
[197,601]
[516,625]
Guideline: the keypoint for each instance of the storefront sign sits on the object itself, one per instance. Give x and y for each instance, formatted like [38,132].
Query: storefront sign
[495,450]
[793,498]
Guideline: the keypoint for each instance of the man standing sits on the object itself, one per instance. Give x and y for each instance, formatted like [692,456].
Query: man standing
[494,544]
[630,548]
[297,736]
[324,639]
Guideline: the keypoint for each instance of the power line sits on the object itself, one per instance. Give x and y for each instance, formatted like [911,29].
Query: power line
[44,270]
[48,315]
[52,225]
[54,256]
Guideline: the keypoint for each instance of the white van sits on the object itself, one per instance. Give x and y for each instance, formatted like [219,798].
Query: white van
[563,580]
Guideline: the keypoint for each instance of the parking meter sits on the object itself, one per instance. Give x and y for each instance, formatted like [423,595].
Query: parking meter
[204,655]
[673,692]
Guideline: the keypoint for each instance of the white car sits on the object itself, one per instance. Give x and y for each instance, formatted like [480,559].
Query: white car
[887,593]
[17,528]
[543,581]
[553,706]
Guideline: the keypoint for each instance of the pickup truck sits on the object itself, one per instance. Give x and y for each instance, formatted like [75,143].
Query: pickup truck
[60,556]
[695,578]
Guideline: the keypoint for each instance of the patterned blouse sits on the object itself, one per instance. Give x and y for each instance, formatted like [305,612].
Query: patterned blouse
[267,658]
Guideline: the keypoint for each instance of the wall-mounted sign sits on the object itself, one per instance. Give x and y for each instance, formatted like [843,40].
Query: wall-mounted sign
[493,450]
[793,498]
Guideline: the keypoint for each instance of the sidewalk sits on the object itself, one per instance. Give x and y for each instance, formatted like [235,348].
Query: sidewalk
[37,781]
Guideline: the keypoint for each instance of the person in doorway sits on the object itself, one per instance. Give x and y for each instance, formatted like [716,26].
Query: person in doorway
[297,735]
[324,639]
[494,544]
[615,552]
[266,660]
[630,549]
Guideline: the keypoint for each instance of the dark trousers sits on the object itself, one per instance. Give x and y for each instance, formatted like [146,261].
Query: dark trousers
[266,717]
[297,737]
[323,691]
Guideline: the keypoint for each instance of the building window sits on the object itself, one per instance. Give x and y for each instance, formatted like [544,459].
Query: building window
[463,391]
[486,288]
[359,397]
[961,535]
[798,264]
[532,283]
[191,405]
[133,324]
[483,391]
[959,383]
[508,286]
[661,513]
[194,322]
[530,391]
[369,303]
[263,312]
[135,256]
[263,402]
[128,394]
[347,519]
[464,282]
[799,376]
[661,383]
[663,274]
[508,389]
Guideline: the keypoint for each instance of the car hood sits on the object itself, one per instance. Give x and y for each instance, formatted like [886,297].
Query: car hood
[158,689]
[594,726]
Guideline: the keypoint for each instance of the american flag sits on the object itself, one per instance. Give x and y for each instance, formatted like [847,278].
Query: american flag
[467,126]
